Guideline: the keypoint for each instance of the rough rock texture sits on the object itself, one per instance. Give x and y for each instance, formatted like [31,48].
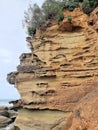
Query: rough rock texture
[4,121]
[58,81]
[93,20]
[86,113]
[11,77]
[7,116]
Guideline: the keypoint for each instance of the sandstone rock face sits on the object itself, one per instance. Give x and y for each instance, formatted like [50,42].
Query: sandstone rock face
[41,119]
[93,20]
[85,115]
[58,79]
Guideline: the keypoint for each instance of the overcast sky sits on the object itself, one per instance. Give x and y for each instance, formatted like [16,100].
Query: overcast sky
[12,41]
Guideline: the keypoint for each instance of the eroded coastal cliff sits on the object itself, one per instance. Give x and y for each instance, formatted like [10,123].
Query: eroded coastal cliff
[58,80]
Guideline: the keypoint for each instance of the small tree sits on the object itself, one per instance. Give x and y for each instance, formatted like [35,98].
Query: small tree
[60,16]
[33,19]
[51,8]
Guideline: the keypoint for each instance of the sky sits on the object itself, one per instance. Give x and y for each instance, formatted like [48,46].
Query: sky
[12,41]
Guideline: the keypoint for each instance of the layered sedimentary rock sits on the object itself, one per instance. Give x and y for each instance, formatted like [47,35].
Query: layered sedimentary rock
[59,78]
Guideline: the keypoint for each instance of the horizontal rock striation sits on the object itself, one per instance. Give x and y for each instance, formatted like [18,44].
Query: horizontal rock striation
[58,75]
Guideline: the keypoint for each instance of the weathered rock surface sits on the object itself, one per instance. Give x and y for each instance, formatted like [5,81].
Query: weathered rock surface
[4,121]
[58,80]
[7,116]
[11,77]
[85,115]
[41,119]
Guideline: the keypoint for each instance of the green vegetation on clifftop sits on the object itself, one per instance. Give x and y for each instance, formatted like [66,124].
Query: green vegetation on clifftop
[36,17]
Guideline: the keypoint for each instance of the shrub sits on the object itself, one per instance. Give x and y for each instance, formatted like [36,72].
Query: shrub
[89,5]
[31,30]
[51,8]
[69,18]
[60,16]
[35,17]
[71,5]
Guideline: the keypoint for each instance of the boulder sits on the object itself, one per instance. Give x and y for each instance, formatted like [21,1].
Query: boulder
[4,121]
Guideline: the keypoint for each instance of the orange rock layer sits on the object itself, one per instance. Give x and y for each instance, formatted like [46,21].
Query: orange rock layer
[58,80]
